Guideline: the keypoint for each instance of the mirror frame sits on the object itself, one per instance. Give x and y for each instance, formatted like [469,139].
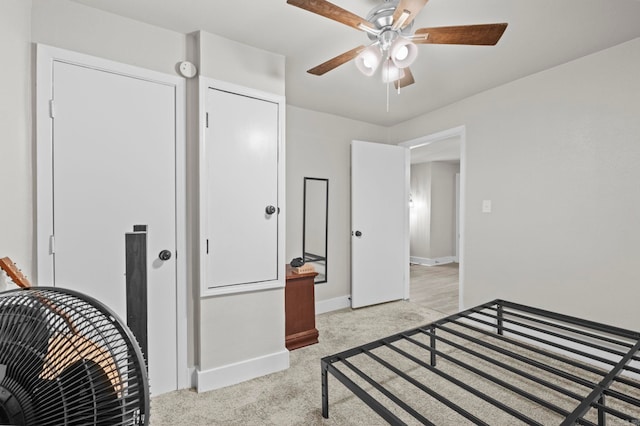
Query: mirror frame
[318,278]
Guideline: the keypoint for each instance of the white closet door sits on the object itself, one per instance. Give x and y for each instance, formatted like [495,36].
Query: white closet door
[241,144]
[114,143]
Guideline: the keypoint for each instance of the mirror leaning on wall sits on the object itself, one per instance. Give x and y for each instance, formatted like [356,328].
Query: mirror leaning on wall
[315,225]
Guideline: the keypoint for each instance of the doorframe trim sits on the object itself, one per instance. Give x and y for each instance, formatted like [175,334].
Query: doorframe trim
[46,56]
[460,132]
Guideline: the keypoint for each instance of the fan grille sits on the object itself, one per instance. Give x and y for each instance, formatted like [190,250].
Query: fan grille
[66,359]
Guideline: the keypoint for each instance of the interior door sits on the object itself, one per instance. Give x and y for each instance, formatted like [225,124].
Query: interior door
[114,143]
[379,223]
[241,144]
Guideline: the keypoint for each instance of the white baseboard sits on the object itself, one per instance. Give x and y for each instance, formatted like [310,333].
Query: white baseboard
[324,306]
[432,262]
[232,374]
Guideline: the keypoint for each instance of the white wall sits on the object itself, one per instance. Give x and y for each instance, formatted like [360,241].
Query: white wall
[433,214]
[72,26]
[420,211]
[443,209]
[557,153]
[233,62]
[318,145]
[80,28]
[16,150]
[242,329]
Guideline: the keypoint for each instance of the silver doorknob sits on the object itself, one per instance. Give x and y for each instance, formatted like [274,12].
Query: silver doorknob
[358,234]
[164,255]
[270,210]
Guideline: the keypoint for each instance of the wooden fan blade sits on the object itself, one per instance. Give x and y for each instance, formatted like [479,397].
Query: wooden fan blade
[483,34]
[413,7]
[336,62]
[331,11]
[406,80]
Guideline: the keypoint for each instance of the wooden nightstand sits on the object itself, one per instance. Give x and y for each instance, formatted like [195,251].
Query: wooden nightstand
[300,310]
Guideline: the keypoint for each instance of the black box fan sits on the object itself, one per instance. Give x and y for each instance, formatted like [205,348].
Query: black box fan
[66,359]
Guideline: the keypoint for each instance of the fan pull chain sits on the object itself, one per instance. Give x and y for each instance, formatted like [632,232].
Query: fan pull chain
[387,96]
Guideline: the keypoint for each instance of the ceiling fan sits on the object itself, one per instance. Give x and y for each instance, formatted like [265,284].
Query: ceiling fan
[393,47]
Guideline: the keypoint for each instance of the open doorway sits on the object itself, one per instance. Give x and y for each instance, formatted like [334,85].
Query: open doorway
[436,228]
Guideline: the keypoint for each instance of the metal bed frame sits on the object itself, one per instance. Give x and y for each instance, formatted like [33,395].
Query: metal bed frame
[577,371]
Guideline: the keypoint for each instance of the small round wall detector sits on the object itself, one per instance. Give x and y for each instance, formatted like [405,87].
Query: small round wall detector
[187,69]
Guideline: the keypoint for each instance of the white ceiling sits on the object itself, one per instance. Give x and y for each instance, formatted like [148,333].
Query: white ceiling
[541,34]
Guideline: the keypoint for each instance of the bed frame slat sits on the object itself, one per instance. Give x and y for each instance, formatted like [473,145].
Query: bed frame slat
[507,334]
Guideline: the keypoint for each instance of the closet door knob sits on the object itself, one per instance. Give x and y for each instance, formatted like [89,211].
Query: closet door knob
[358,234]
[164,255]
[270,210]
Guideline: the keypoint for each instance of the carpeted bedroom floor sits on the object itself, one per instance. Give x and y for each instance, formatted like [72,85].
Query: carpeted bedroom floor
[293,396]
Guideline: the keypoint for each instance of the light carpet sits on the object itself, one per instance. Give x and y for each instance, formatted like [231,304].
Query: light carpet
[293,396]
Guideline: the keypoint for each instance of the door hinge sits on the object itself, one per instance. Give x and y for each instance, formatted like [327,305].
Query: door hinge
[51,109]
[206,119]
[52,244]
[207,246]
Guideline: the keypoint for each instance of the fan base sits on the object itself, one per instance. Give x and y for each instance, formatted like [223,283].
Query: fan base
[14,405]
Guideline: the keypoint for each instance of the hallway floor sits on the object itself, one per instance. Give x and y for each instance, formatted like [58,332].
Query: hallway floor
[435,287]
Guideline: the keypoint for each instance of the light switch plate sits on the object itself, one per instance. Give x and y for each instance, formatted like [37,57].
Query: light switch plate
[486,206]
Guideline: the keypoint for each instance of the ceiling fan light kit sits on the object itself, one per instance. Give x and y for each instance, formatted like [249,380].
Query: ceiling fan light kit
[394,46]
[390,72]
[403,52]
[369,60]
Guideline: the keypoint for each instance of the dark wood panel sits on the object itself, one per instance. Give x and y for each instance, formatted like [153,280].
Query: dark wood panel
[300,310]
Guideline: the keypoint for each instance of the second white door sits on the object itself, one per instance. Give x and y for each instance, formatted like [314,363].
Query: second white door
[241,144]
[379,223]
